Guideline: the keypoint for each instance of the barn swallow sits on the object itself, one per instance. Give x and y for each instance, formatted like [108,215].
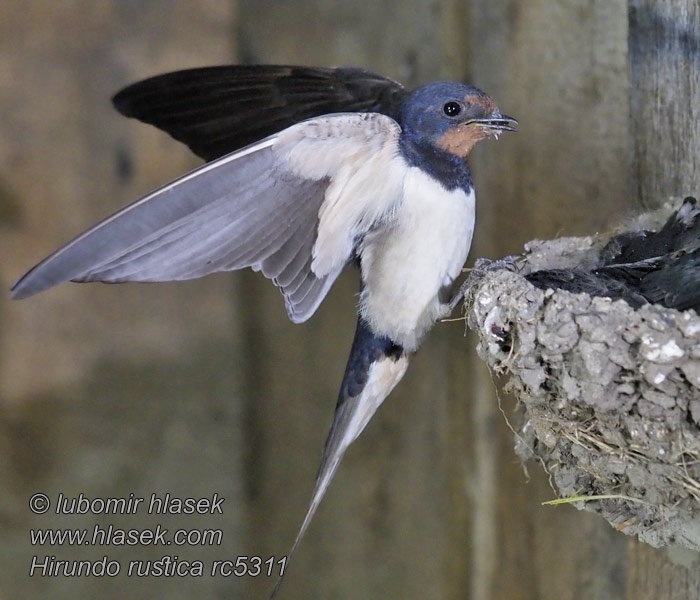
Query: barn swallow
[309,170]
[642,266]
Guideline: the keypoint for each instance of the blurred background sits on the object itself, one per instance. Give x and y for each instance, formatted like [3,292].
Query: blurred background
[205,387]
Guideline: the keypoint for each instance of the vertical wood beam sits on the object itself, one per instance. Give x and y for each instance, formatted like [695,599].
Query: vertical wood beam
[664,58]
[395,522]
[561,70]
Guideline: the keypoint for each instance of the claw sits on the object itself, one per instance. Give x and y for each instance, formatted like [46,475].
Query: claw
[481,267]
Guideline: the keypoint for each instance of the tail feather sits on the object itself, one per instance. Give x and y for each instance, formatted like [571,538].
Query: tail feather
[374,368]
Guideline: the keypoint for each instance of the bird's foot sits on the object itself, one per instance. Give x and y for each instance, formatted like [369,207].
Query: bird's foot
[480,268]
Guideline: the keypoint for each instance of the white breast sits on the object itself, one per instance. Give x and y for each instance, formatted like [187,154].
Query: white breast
[407,261]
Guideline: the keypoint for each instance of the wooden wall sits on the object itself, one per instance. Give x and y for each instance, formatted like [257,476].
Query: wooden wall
[106,390]
[563,65]
[205,387]
[664,57]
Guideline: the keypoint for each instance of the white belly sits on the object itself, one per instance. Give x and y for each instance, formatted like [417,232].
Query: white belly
[405,264]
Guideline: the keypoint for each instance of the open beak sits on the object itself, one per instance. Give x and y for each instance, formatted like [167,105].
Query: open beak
[497,122]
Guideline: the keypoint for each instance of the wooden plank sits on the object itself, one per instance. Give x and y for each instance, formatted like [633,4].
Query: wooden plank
[106,390]
[396,522]
[664,57]
[671,574]
[561,69]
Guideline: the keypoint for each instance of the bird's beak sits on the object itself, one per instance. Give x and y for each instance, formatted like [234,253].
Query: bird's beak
[496,122]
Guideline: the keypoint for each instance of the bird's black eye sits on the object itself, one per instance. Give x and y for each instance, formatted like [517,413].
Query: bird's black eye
[452,108]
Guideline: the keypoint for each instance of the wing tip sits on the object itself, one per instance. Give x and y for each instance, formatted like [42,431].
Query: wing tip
[123,103]
[27,286]
[20,289]
[16,294]
[38,279]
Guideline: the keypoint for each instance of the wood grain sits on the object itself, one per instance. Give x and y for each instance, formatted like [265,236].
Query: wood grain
[561,70]
[105,390]
[664,57]
[396,521]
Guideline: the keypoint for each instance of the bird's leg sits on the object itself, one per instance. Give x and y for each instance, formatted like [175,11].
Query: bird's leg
[481,266]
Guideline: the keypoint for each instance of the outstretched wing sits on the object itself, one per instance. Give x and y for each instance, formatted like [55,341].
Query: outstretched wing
[216,110]
[291,206]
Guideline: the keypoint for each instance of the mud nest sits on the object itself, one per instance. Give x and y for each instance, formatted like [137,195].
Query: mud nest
[608,395]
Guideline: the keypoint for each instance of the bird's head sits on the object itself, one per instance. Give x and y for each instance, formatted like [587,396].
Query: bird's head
[452,116]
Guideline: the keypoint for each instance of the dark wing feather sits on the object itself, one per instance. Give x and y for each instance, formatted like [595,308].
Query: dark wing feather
[661,267]
[216,110]
[676,284]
